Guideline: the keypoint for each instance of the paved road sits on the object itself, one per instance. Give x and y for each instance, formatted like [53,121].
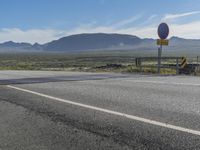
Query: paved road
[65,110]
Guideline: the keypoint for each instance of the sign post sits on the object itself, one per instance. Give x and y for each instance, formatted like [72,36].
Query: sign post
[159,58]
[163,32]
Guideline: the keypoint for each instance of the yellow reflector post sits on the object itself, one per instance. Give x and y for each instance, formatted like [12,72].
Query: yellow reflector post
[183,62]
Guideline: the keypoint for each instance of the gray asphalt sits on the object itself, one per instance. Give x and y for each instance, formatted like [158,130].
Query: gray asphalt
[32,122]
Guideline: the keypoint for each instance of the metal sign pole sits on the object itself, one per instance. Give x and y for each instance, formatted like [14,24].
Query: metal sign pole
[163,32]
[177,66]
[159,58]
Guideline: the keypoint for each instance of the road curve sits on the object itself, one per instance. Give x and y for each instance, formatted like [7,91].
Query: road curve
[69,110]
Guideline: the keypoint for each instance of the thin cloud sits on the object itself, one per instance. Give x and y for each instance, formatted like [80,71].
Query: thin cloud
[189,30]
[113,27]
[169,17]
[30,36]
[127,21]
[185,30]
[152,17]
[150,20]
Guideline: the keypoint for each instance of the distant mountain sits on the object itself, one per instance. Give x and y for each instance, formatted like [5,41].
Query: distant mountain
[181,44]
[98,41]
[11,46]
[101,41]
[37,46]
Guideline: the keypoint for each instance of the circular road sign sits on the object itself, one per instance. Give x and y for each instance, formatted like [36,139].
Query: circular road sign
[163,31]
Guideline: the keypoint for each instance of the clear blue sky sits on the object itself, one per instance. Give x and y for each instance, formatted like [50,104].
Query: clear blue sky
[45,20]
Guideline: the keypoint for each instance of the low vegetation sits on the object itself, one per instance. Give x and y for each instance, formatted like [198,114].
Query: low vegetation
[88,62]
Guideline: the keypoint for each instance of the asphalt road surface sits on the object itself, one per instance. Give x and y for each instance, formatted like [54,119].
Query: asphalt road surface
[65,110]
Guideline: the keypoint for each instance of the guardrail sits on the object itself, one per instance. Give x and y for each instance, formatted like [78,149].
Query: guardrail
[180,64]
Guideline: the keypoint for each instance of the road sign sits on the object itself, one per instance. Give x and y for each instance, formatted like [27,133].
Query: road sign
[163,31]
[162,42]
[183,62]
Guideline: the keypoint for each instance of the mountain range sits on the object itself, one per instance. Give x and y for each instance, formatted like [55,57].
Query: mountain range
[100,41]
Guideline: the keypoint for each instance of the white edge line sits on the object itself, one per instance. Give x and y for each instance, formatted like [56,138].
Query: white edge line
[160,82]
[136,118]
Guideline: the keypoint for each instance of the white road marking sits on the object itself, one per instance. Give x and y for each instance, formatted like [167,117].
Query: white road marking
[136,118]
[161,82]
